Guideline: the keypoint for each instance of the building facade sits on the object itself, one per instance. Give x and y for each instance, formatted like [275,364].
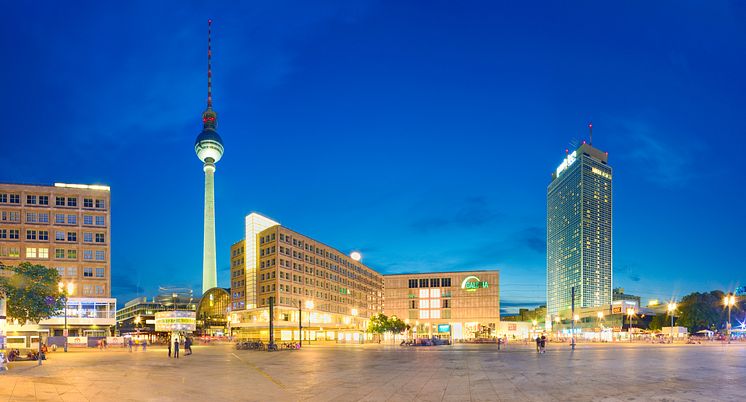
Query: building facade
[312,284]
[579,232]
[454,305]
[66,227]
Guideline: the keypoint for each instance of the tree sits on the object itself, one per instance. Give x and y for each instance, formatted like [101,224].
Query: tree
[396,326]
[378,324]
[32,293]
[702,311]
[659,321]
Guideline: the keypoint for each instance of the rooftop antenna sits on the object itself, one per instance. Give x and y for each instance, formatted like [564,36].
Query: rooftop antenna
[209,64]
[590,128]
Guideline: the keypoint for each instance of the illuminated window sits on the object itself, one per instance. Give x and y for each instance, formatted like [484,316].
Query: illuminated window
[30,252]
[424,293]
[435,293]
[424,303]
[424,314]
[435,314]
[435,303]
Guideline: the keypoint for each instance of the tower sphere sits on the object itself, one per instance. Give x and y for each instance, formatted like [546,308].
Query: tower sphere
[209,145]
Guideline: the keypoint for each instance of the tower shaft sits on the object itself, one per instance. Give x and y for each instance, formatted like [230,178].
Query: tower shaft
[209,269]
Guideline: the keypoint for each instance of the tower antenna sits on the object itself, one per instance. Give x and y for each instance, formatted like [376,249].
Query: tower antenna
[590,128]
[209,64]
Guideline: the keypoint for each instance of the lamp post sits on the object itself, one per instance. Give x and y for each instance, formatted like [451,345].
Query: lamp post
[309,307]
[300,324]
[671,310]
[572,345]
[600,316]
[729,300]
[66,291]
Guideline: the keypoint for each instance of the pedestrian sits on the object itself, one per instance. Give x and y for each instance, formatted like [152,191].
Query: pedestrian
[543,343]
[169,348]
[499,343]
[130,344]
[176,348]
[538,344]
[144,344]
[188,346]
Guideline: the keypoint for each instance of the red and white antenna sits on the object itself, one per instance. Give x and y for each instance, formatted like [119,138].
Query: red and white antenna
[209,65]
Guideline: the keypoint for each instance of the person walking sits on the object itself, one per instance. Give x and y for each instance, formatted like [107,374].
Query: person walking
[130,344]
[543,343]
[144,344]
[176,348]
[538,344]
[188,346]
[169,348]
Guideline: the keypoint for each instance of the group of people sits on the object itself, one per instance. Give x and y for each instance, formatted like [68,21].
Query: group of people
[176,342]
[541,343]
[131,342]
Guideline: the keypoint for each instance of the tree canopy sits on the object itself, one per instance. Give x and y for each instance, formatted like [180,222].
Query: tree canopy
[702,311]
[32,293]
[380,323]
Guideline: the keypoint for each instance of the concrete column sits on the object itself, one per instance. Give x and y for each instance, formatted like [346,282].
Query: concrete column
[209,270]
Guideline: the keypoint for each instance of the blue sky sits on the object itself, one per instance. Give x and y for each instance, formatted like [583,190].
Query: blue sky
[421,133]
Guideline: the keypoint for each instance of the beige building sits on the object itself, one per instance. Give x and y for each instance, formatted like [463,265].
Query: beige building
[454,305]
[336,295]
[66,227]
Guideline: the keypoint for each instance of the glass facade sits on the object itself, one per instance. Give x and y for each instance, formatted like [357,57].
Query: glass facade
[579,232]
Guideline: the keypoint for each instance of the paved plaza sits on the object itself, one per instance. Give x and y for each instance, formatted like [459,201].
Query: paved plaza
[389,373]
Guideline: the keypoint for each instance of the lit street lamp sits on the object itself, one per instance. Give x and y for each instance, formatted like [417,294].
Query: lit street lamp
[309,307]
[729,300]
[671,310]
[66,291]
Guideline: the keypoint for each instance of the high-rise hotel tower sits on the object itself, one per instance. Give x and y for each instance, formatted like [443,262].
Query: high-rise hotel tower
[579,242]
[209,148]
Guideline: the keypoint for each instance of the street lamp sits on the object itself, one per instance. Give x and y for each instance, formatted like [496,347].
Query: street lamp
[309,307]
[300,324]
[600,316]
[671,310]
[66,291]
[729,300]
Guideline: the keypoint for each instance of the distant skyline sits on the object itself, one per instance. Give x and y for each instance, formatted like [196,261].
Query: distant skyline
[423,135]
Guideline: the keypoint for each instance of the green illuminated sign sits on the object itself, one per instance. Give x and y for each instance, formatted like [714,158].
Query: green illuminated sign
[444,328]
[472,283]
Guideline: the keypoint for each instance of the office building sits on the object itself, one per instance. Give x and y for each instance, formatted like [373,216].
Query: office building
[331,294]
[451,305]
[66,227]
[579,232]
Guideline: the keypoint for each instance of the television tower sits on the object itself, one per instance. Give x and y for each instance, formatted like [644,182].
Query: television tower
[209,148]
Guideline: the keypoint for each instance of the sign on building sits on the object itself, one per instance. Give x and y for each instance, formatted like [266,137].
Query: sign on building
[169,321]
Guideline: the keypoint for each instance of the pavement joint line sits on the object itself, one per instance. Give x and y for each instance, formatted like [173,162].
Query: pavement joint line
[262,372]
